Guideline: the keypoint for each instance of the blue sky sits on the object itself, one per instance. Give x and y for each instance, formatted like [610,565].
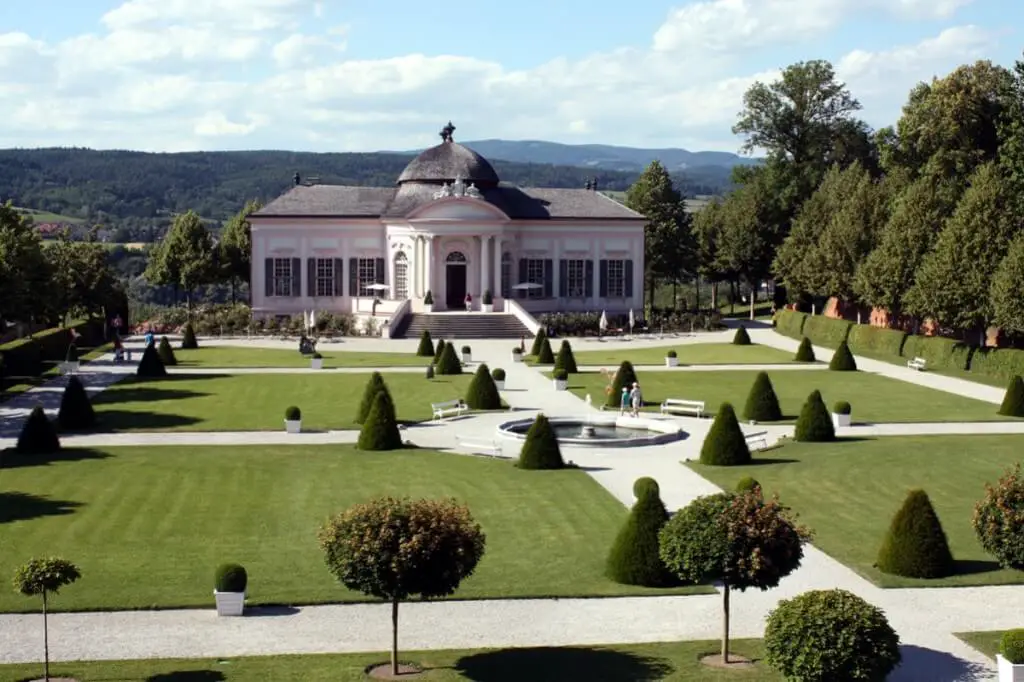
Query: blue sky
[339,75]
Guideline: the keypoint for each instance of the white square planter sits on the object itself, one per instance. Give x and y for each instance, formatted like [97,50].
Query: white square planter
[229,603]
[517,357]
[1008,672]
[840,420]
[561,384]
[316,363]
[488,307]
[671,362]
[500,385]
[467,358]
[293,425]
[428,307]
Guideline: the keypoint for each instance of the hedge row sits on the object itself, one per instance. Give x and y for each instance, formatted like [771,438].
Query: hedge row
[790,323]
[940,352]
[1002,363]
[25,357]
[870,340]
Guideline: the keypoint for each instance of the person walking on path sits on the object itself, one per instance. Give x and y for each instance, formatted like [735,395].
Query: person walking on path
[469,302]
[636,398]
[624,401]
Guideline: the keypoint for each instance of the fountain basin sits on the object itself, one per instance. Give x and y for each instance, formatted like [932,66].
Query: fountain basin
[600,431]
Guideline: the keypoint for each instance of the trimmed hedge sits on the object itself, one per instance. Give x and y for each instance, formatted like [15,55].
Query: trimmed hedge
[805,352]
[865,338]
[842,360]
[747,484]
[762,403]
[915,545]
[373,386]
[565,359]
[230,578]
[538,341]
[426,347]
[645,485]
[76,413]
[188,338]
[941,353]
[25,357]
[815,423]
[1013,400]
[635,556]
[541,449]
[166,353]
[449,362]
[625,377]
[790,323]
[545,356]
[725,444]
[998,363]
[439,351]
[741,337]
[37,437]
[1011,646]
[827,331]
[482,394]
[380,430]
[151,366]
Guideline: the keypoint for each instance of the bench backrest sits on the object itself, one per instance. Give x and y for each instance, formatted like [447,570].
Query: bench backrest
[677,401]
[759,434]
[920,361]
[447,403]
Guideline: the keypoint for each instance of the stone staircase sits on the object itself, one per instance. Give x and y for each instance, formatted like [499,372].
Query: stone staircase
[464,326]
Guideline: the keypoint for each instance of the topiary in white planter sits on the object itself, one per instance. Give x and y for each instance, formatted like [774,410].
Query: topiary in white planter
[229,589]
[841,414]
[1010,658]
[561,379]
[293,420]
[517,354]
[428,303]
[317,361]
[671,360]
[467,354]
[499,378]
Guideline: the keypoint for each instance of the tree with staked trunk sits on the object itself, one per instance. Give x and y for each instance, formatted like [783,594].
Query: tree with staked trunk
[40,578]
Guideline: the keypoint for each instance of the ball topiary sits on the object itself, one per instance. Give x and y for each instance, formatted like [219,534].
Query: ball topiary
[540,449]
[545,357]
[741,338]
[293,414]
[560,375]
[634,558]
[671,354]
[498,374]
[449,362]
[830,635]
[230,578]
[842,360]
[747,484]
[645,485]
[999,518]
[37,437]
[426,347]
[725,444]
[72,354]
[814,424]
[805,353]
[439,351]
[915,545]
[76,413]
[565,359]
[166,353]
[842,407]
[625,377]
[466,350]
[188,338]
[1011,646]
[150,365]
[482,394]
[380,430]
[538,341]
[373,386]
[1013,401]
[762,403]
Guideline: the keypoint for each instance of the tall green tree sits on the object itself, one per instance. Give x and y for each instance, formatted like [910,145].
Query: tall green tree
[1007,288]
[746,244]
[185,258]
[25,291]
[235,248]
[708,226]
[83,279]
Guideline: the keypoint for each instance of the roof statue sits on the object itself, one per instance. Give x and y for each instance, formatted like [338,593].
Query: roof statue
[448,132]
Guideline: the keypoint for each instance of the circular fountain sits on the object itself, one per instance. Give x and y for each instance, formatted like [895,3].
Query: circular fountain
[600,431]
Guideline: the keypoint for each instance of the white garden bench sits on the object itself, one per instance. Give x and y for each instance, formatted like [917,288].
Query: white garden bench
[761,437]
[676,405]
[449,407]
[920,364]
[480,446]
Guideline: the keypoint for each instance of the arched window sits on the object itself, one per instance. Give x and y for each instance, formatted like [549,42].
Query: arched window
[401,276]
[506,275]
[456,257]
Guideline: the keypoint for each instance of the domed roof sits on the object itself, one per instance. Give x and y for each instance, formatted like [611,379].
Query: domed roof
[448,161]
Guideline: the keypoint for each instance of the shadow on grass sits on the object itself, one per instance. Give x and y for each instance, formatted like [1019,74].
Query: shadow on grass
[15,506]
[550,664]
[149,394]
[920,663]
[131,420]
[188,676]
[974,566]
[756,461]
[9,459]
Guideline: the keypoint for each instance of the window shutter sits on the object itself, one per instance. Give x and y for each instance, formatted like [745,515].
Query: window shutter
[311,276]
[296,277]
[378,270]
[353,276]
[589,285]
[627,270]
[563,278]
[268,274]
[522,278]
[604,279]
[549,274]
[339,277]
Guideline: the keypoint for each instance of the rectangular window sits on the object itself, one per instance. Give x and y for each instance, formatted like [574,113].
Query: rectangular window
[535,276]
[576,281]
[367,276]
[282,277]
[325,277]
[616,279]
[506,276]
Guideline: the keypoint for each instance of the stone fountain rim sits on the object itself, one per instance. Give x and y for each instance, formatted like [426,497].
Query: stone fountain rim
[662,431]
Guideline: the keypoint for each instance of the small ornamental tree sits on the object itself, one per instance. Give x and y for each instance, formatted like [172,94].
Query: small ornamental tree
[76,413]
[625,377]
[538,341]
[426,347]
[394,549]
[449,362]
[380,430]
[805,353]
[374,386]
[1013,401]
[166,353]
[635,557]
[740,540]
[540,449]
[188,338]
[41,578]
[37,437]
[762,403]
[842,359]
[915,545]
[565,359]
[999,519]
[482,394]
[741,338]
[830,635]
[151,366]
[725,444]
[439,351]
[815,423]
[545,357]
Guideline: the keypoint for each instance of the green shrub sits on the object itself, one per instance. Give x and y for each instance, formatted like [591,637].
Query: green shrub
[671,354]
[488,297]
[815,423]
[374,385]
[426,347]
[842,407]
[545,357]
[449,363]
[37,437]
[540,449]
[151,366]
[827,331]
[747,484]
[380,430]
[830,636]
[762,403]
[915,545]
[560,375]
[634,558]
[790,323]
[317,356]
[998,363]
[166,353]
[645,485]
[538,341]
[25,357]
[188,338]
[625,377]
[999,518]
[230,578]
[72,355]
[76,413]
[741,338]
[1011,646]
[293,414]
[429,298]
[498,374]
[941,353]
[805,353]
[842,359]
[430,371]
[439,351]
[566,360]
[865,338]
[725,444]
[1013,401]
[482,394]
[466,350]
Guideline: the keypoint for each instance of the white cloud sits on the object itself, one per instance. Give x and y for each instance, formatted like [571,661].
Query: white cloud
[257,15]
[217,124]
[299,49]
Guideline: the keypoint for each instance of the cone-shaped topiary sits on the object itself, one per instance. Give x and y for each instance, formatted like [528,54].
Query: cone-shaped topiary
[645,485]
[482,394]
[725,444]
[741,338]
[842,360]
[565,359]
[188,338]
[72,355]
[545,357]
[1013,401]
[38,437]
[805,353]
[747,484]
[166,353]
[374,386]
[380,430]
[426,347]
[449,362]
[439,350]
[635,556]
[76,411]
[540,450]
[538,341]
[151,366]
[762,403]
[625,377]
[815,423]
[915,545]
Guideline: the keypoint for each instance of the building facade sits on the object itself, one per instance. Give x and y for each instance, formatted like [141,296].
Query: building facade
[449,227]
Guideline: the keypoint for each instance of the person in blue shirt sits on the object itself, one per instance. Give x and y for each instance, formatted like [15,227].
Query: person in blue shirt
[624,401]
[149,337]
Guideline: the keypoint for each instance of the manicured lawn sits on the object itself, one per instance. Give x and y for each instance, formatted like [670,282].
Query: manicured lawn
[255,402]
[148,526]
[689,354]
[236,356]
[12,386]
[847,493]
[669,661]
[985,642]
[875,398]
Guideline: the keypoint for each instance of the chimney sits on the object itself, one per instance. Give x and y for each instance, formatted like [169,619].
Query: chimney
[587,186]
[297,178]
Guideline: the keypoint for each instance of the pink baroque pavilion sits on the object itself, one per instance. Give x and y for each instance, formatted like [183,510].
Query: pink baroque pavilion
[449,227]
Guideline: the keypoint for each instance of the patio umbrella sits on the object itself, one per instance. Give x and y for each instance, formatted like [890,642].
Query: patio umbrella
[312,319]
[632,321]
[377,287]
[523,286]
[602,324]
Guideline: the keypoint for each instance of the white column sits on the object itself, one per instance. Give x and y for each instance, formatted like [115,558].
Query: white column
[428,265]
[417,269]
[485,269]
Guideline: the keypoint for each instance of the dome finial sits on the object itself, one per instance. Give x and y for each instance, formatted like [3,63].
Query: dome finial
[447,132]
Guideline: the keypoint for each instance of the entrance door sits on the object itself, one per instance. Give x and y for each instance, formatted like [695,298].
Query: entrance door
[455,281]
